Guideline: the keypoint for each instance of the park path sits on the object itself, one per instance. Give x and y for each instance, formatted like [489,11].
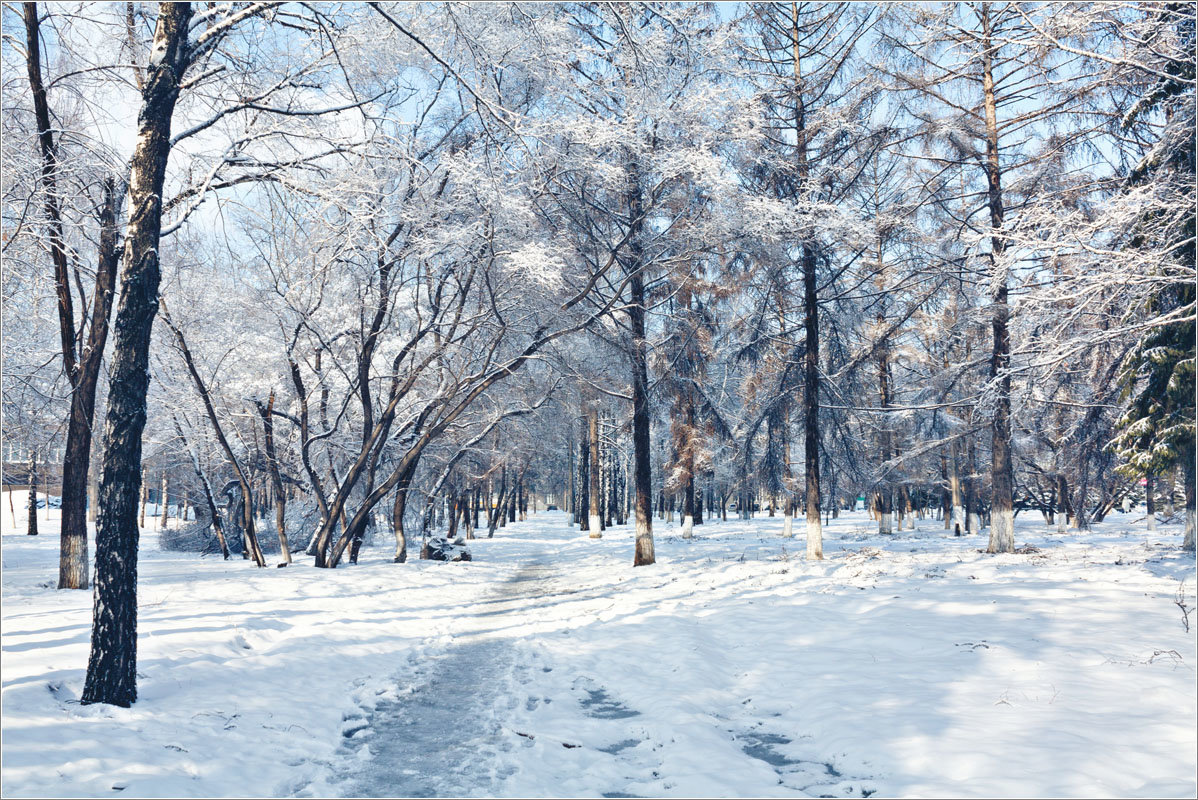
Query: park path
[435,738]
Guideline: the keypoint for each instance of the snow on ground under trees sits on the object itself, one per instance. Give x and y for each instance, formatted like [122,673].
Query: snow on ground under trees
[906,665]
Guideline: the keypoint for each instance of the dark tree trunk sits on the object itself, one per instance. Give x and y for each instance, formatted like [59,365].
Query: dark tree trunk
[1150,499]
[973,523]
[641,441]
[584,473]
[467,511]
[276,480]
[642,468]
[1002,501]
[494,513]
[475,503]
[72,562]
[815,536]
[454,513]
[498,512]
[571,505]
[1188,470]
[112,663]
[397,511]
[83,375]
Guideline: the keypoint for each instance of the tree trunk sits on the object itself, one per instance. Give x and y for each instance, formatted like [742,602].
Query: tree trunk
[908,512]
[885,511]
[454,512]
[1150,499]
[688,491]
[475,502]
[1062,504]
[276,480]
[83,374]
[93,500]
[32,521]
[73,557]
[958,510]
[397,511]
[570,499]
[1188,477]
[642,469]
[1002,500]
[815,536]
[885,446]
[494,513]
[145,494]
[162,503]
[594,521]
[1170,485]
[112,663]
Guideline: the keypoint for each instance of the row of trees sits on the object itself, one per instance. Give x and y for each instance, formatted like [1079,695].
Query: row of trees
[937,255]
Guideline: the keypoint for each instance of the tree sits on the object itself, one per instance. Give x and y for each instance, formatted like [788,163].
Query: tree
[81,347]
[1156,432]
[112,665]
[182,40]
[799,56]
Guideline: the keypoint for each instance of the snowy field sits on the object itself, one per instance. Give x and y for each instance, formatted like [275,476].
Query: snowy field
[910,665]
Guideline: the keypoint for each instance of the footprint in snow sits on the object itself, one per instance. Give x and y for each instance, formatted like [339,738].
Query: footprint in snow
[599,704]
[814,778]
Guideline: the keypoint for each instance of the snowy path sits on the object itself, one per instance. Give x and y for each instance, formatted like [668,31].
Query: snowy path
[433,740]
[507,698]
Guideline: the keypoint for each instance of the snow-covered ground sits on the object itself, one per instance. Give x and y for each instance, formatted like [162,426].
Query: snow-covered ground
[910,665]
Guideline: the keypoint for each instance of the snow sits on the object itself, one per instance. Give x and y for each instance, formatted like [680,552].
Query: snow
[909,665]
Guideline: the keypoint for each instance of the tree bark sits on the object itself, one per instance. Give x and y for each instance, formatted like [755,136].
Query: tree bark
[162,503]
[957,508]
[642,468]
[397,512]
[144,492]
[276,480]
[688,491]
[594,501]
[112,663]
[815,537]
[1150,499]
[466,512]
[83,373]
[1002,498]
[570,499]
[885,445]
[1188,475]
[494,512]
[31,523]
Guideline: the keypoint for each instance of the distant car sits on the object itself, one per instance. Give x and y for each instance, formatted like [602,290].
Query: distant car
[551,508]
[55,502]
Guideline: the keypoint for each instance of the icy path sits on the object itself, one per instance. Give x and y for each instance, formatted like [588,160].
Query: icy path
[435,738]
